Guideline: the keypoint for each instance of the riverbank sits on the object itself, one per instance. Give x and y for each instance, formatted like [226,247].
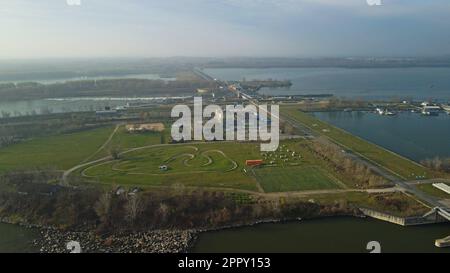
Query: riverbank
[159,241]
[54,240]
[324,235]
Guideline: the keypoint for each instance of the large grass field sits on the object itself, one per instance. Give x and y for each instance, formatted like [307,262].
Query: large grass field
[296,178]
[122,140]
[213,165]
[61,152]
[217,165]
[398,165]
[125,140]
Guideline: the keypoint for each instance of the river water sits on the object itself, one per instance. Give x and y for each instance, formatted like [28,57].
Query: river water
[368,83]
[409,134]
[56,105]
[335,235]
[15,239]
[62,80]
[66,105]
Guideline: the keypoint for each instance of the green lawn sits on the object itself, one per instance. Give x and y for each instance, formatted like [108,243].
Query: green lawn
[123,140]
[282,179]
[195,165]
[429,189]
[397,203]
[402,167]
[61,151]
[220,165]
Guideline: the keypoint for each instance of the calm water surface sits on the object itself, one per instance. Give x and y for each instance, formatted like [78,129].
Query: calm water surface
[370,83]
[15,239]
[409,134]
[323,235]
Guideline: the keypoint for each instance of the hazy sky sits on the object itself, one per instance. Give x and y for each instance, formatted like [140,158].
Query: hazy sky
[152,28]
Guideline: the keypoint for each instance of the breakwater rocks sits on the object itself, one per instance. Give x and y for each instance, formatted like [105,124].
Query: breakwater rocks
[164,241]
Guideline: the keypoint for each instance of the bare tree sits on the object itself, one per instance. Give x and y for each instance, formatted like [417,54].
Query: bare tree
[164,211]
[103,207]
[114,152]
[134,207]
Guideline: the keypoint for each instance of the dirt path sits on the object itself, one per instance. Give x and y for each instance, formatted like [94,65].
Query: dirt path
[104,144]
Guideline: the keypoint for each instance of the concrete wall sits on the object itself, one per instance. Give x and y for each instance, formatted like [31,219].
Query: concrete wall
[408,221]
[384,217]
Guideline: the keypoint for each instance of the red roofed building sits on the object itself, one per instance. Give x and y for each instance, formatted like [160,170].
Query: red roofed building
[252,163]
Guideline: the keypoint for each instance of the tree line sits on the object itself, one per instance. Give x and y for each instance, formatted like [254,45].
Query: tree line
[113,87]
[33,200]
[362,175]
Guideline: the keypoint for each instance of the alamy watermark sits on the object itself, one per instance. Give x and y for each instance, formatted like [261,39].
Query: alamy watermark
[236,123]
[73,2]
[374,2]
[374,247]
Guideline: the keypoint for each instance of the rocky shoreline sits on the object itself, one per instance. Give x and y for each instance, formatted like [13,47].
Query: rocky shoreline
[54,240]
[159,241]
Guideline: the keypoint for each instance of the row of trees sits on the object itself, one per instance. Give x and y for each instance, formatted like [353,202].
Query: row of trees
[438,164]
[8,140]
[22,128]
[38,202]
[114,87]
[363,176]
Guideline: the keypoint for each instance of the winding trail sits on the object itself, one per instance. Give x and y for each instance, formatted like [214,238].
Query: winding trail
[235,165]
[67,173]
[86,162]
[104,144]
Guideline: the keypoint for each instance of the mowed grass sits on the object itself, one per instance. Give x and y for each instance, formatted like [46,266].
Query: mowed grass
[125,140]
[61,152]
[193,165]
[283,179]
[377,201]
[122,140]
[402,167]
[431,190]
[219,165]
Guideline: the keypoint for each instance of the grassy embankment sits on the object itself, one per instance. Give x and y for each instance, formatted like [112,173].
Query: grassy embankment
[397,204]
[401,167]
